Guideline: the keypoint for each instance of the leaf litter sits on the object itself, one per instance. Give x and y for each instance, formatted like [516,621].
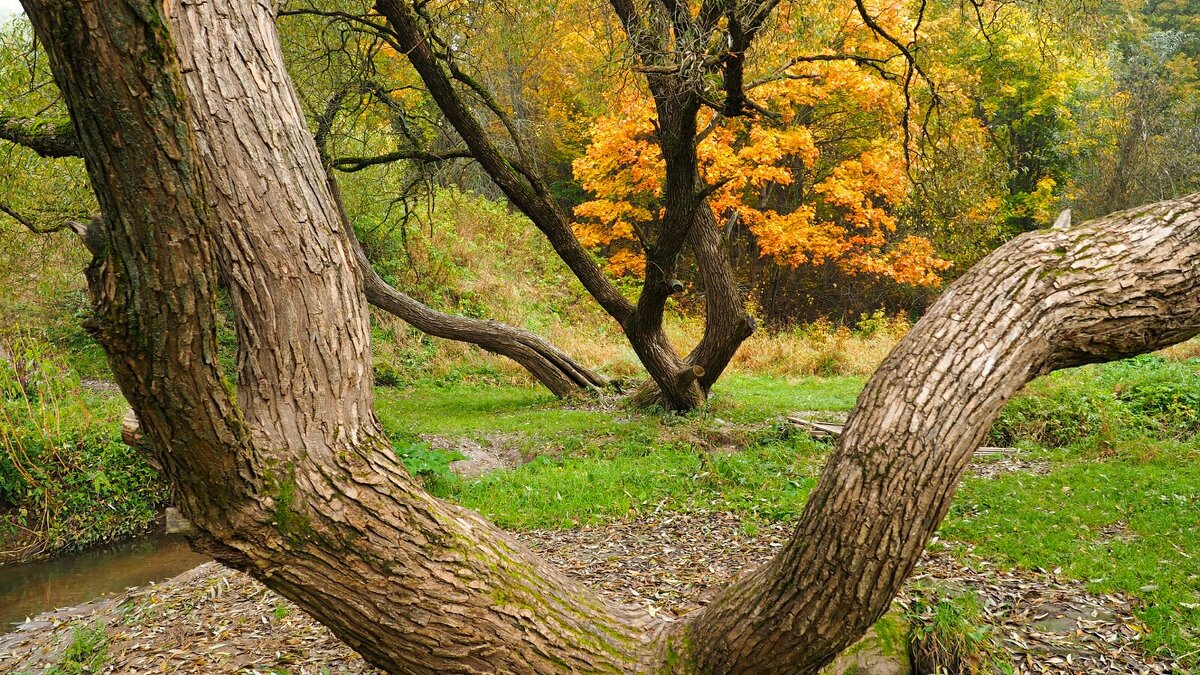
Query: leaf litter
[215,620]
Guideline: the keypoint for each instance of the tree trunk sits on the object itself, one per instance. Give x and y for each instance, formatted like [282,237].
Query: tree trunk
[293,478]
[726,322]
[1113,288]
[549,365]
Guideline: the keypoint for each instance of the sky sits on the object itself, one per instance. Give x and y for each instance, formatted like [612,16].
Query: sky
[9,7]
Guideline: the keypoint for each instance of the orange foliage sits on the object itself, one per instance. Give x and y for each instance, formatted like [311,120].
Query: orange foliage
[806,200]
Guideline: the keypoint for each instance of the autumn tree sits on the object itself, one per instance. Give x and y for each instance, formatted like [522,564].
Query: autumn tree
[774,176]
[206,176]
[689,59]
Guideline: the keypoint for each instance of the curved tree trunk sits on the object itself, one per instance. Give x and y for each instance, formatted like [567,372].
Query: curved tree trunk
[1113,288]
[294,480]
[292,477]
[557,371]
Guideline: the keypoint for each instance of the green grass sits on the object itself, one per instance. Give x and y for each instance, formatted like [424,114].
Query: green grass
[948,634]
[457,409]
[1121,524]
[769,481]
[66,479]
[85,654]
[1125,461]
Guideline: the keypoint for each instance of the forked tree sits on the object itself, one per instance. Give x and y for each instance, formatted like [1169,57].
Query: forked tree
[693,59]
[206,176]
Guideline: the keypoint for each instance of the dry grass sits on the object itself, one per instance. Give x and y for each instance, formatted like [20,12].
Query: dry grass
[820,349]
[1183,351]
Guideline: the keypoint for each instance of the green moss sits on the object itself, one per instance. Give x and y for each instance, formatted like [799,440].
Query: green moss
[290,521]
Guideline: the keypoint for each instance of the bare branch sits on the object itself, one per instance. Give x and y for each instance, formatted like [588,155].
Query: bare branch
[90,233]
[352,164]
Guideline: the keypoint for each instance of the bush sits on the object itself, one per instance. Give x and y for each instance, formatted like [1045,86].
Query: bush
[431,466]
[1145,396]
[66,478]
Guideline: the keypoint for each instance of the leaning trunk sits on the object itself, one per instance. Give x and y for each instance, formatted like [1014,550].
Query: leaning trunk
[1110,289]
[292,479]
[558,372]
[642,323]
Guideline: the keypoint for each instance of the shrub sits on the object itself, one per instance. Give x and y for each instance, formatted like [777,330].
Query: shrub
[66,478]
[431,466]
[948,634]
[1145,396]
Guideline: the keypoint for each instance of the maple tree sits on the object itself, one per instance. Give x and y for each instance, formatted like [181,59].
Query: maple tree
[807,186]
[770,180]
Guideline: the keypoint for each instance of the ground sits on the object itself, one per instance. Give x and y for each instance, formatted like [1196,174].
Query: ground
[1071,554]
[213,620]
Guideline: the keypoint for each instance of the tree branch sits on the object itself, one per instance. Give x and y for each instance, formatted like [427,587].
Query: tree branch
[352,164]
[91,234]
[53,137]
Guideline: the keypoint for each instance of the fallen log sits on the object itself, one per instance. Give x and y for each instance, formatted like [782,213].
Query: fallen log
[829,430]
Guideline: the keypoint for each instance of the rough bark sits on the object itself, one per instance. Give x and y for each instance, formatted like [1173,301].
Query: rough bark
[292,477]
[549,365]
[1113,288]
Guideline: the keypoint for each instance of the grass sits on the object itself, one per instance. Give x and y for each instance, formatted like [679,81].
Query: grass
[66,478]
[947,633]
[1119,509]
[85,654]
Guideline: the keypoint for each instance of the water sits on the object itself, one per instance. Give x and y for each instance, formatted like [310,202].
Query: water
[32,588]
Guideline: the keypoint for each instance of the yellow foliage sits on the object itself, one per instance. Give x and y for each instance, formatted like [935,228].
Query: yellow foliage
[845,213]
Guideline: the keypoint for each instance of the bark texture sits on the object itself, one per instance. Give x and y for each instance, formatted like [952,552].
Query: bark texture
[293,480]
[292,477]
[548,364]
[1113,288]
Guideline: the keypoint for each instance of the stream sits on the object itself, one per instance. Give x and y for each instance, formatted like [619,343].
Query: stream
[29,589]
